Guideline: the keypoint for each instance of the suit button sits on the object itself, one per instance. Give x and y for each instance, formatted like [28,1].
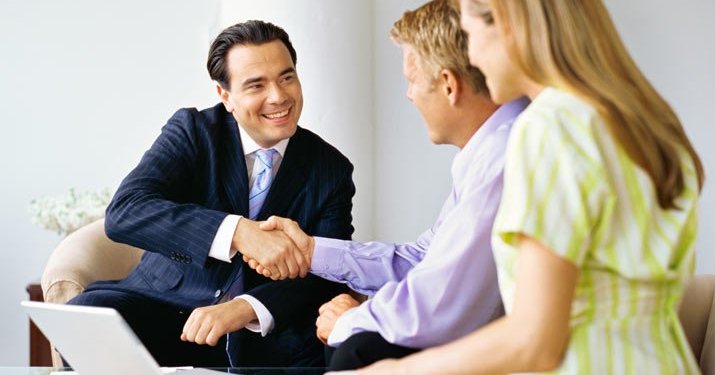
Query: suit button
[218,293]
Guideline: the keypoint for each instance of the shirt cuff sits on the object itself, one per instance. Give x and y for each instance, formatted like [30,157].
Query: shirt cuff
[221,245]
[265,322]
[325,259]
[343,329]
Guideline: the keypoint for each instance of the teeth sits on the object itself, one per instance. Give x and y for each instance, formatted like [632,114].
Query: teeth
[277,115]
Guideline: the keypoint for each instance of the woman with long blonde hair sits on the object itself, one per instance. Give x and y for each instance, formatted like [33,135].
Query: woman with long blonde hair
[594,237]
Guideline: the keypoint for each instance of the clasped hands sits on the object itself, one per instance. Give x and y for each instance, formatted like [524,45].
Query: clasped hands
[276,248]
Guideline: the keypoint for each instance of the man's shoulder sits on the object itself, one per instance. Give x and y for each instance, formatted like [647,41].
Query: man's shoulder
[210,115]
[209,120]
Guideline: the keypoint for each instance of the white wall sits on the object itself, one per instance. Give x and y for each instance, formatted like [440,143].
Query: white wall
[85,88]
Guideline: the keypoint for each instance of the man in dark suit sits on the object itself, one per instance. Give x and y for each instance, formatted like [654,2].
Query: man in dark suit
[195,200]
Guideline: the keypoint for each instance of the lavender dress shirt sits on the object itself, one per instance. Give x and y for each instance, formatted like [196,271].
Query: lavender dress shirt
[444,285]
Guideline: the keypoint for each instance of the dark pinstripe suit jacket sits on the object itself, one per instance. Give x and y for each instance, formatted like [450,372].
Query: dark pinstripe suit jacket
[173,202]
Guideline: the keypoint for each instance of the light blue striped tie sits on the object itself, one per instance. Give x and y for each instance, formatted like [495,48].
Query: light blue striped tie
[262,181]
[256,197]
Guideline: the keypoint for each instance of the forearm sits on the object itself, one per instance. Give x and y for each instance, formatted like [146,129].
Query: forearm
[149,222]
[364,267]
[297,299]
[498,348]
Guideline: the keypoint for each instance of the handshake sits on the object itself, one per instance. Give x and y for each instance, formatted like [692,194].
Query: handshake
[276,248]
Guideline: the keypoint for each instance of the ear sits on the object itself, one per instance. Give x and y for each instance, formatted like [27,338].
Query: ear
[225,96]
[451,85]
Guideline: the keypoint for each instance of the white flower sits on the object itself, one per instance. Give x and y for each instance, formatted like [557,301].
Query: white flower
[71,211]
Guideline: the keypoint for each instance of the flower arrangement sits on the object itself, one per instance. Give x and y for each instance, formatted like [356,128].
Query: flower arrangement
[71,211]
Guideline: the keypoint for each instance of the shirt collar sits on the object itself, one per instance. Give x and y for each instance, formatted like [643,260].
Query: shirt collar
[250,146]
[504,115]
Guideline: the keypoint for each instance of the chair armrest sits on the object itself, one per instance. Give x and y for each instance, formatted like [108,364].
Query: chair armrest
[85,256]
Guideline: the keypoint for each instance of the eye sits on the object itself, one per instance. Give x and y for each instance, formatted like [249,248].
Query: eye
[487,17]
[254,87]
[287,78]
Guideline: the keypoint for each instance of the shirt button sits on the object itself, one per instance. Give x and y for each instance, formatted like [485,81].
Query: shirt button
[218,293]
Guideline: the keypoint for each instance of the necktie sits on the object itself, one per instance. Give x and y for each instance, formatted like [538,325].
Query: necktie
[263,169]
[263,176]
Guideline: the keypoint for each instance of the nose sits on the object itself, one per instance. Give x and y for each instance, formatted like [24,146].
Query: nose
[277,94]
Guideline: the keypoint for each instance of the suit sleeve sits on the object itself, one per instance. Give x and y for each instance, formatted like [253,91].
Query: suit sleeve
[289,300]
[152,209]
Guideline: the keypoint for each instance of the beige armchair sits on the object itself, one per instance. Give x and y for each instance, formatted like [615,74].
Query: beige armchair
[88,255]
[83,257]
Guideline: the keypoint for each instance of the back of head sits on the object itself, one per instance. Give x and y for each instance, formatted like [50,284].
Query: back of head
[434,31]
[246,33]
[573,44]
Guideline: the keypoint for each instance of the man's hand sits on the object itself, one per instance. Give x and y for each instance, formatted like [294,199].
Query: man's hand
[330,312]
[206,325]
[273,250]
[304,242]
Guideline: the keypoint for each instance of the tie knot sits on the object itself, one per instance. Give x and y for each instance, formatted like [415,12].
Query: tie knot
[266,157]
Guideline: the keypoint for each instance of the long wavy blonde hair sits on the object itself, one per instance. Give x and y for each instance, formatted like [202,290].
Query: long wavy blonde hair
[573,44]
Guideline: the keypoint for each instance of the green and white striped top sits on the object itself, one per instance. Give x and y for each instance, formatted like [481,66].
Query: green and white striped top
[569,185]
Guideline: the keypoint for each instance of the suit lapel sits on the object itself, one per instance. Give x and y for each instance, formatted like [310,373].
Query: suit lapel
[235,175]
[290,179]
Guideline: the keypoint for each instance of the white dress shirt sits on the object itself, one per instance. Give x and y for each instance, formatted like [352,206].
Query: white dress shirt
[221,245]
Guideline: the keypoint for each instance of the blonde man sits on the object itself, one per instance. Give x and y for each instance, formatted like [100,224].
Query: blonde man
[442,286]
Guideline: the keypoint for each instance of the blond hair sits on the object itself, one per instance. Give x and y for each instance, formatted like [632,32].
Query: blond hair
[574,45]
[434,31]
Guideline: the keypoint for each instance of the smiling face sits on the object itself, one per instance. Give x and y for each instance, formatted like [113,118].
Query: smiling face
[487,52]
[264,95]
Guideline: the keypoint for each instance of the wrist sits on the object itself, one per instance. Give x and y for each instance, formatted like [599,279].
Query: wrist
[239,234]
[310,250]
[245,310]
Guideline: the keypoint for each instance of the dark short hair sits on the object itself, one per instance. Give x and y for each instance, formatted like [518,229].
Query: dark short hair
[247,33]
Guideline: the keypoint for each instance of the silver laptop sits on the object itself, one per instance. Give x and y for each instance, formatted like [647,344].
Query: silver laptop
[96,340]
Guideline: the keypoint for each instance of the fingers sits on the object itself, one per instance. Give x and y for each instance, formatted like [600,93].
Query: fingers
[302,264]
[206,325]
[214,335]
[294,268]
[283,270]
[325,324]
[265,272]
[197,327]
[346,300]
[278,253]
[272,223]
